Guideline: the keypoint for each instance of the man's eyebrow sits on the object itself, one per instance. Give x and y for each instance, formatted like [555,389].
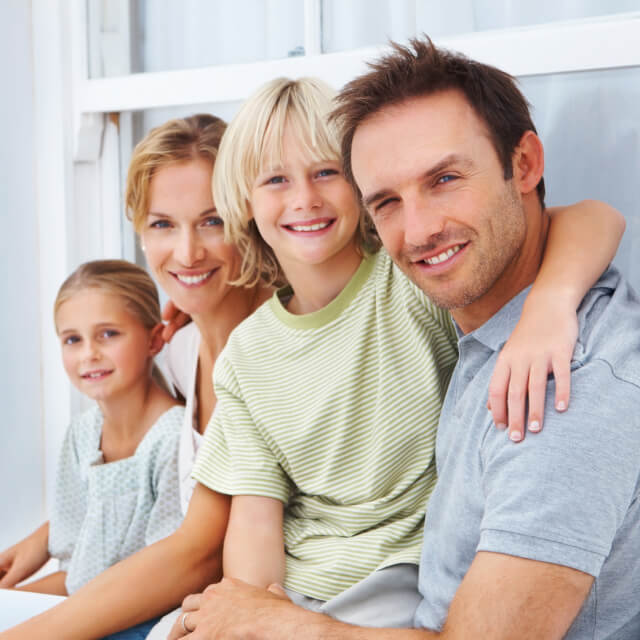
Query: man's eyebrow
[452,159]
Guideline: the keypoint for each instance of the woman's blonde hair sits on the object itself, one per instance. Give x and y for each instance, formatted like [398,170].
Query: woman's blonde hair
[253,141]
[129,282]
[175,141]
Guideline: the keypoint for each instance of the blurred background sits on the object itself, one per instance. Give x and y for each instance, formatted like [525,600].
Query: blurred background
[84,80]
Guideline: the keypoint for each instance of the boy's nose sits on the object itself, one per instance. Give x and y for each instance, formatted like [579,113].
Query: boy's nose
[306,197]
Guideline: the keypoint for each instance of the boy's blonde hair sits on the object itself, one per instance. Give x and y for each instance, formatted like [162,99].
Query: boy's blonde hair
[253,141]
[175,141]
[129,282]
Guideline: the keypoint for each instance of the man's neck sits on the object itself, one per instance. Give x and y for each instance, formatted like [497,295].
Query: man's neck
[518,275]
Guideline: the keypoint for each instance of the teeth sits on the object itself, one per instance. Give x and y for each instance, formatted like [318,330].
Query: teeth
[94,374]
[445,255]
[193,279]
[311,227]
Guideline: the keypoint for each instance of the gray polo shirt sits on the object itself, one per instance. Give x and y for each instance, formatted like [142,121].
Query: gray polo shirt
[568,495]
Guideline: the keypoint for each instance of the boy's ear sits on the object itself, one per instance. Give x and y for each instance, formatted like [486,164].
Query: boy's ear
[157,341]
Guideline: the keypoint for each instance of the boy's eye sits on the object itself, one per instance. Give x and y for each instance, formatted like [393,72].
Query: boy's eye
[275,180]
[213,221]
[323,173]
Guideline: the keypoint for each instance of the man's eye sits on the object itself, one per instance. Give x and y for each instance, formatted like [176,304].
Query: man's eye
[160,224]
[382,204]
[446,178]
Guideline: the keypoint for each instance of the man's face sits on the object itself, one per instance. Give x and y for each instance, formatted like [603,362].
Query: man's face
[434,186]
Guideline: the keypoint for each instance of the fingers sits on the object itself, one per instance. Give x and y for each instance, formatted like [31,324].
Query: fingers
[498,393]
[562,373]
[516,400]
[192,602]
[10,578]
[278,590]
[537,392]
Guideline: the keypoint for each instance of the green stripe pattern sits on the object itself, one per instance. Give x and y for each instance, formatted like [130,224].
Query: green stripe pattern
[335,413]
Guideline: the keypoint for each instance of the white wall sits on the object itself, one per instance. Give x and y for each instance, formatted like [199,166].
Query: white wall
[21,437]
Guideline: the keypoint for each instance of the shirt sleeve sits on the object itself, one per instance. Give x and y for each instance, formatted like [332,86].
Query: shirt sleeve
[235,458]
[70,498]
[165,515]
[561,495]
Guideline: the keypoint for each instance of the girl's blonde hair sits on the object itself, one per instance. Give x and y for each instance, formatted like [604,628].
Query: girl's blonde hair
[253,141]
[129,282]
[175,141]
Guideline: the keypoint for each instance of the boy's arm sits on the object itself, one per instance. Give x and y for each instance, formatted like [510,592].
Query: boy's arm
[144,585]
[254,542]
[582,240]
[24,558]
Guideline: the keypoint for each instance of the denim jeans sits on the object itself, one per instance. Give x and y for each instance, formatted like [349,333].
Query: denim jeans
[139,632]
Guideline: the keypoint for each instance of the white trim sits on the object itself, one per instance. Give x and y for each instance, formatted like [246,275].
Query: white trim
[312,27]
[543,49]
[53,187]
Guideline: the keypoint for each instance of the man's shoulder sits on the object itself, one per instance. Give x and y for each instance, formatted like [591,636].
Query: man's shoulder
[609,319]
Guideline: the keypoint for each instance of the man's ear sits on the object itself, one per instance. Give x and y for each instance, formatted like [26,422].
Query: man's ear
[157,341]
[528,162]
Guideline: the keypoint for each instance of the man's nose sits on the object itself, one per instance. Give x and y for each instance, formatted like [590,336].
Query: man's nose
[422,221]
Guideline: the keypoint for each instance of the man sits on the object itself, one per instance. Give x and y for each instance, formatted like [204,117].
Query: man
[539,540]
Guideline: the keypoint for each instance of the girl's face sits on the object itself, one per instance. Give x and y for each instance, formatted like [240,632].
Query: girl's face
[183,238]
[305,210]
[105,348]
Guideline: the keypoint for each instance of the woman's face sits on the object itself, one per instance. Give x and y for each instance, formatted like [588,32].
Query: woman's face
[183,238]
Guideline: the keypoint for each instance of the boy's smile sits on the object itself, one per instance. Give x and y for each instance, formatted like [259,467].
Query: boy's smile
[306,211]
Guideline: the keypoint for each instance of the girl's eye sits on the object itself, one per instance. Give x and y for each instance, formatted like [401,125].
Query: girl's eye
[160,224]
[109,333]
[213,221]
[71,340]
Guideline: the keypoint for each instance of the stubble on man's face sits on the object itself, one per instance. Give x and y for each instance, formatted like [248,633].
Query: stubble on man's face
[493,245]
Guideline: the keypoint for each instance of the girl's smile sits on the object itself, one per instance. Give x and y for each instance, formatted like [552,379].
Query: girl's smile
[106,350]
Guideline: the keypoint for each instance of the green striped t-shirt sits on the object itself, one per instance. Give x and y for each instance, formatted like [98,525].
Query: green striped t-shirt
[335,414]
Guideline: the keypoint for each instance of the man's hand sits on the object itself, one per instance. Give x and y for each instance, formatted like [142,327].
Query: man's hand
[233,609]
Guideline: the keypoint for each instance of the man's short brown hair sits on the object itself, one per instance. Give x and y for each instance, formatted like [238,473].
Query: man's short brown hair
[421,69]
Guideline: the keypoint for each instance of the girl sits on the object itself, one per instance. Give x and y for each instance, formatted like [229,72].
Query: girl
[117,488]
[329,395]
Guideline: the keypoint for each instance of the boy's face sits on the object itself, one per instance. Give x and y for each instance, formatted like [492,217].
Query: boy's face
[434,186]
[306,211]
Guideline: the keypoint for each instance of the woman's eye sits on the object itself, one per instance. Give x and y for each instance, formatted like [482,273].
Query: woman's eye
[160,224]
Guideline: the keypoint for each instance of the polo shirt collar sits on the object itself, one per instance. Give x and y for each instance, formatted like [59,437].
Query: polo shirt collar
[497,329]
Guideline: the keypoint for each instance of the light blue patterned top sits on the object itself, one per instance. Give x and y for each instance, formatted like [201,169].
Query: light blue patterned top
[103,513]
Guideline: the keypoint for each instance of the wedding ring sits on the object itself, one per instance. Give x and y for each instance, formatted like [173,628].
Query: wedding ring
[183,621]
